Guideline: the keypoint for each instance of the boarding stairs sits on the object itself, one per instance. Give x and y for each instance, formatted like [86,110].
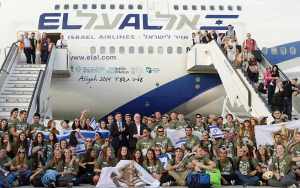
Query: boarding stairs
[26,86]
[242,98]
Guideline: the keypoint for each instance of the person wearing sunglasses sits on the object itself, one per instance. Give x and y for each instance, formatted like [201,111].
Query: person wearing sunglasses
[199,125]
[20,161]
[162,141]
[105,142]
[88,145]
[145,143]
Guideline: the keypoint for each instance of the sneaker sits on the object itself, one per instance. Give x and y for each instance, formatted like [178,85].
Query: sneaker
[271,84]
[245,184]
[173,183]
[167,184]
[257,183]
[232,182]
[265,88]
[293,186]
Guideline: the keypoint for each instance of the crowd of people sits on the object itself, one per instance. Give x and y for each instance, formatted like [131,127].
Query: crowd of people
[24,150]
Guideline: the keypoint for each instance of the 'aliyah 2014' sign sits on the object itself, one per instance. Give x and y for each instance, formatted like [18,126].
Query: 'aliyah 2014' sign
[50,21]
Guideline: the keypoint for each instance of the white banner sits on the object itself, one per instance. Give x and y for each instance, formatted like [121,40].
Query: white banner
[177,135]
[264,134]
[130,174]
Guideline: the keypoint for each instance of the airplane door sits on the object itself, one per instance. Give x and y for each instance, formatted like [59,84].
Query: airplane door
[154,6]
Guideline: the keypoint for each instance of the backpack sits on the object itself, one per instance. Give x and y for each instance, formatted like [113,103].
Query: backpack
[6,181]
[198,179]
[250,163]
[260,88]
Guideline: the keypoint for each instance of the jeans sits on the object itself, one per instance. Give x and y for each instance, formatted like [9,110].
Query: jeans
[287,107]
[246,178]
[44,55]
[271,91]
[286,180]
[27,53]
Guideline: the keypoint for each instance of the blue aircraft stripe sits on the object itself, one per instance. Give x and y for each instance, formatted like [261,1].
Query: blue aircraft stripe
[214,27]
[222,16]
[170,95]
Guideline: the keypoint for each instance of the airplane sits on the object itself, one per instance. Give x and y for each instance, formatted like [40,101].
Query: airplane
[130,57]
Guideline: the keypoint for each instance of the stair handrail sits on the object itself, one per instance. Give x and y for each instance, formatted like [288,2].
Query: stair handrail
[33,105]
[14,49]
[251,83]
[46,81]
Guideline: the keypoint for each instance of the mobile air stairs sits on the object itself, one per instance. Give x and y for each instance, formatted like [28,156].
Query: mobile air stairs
[26,86]
[242,98]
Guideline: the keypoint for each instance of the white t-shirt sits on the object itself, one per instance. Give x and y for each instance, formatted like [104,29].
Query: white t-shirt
[61,41]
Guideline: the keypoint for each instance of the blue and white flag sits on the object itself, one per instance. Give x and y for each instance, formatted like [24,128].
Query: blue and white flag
[164,159]
[66,134]
[215,131]
[30,148]
[94,125]
[178,135]
[80,148]
[180,143]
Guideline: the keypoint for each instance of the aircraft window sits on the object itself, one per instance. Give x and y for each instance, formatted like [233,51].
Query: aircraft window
[112,6]
[102,50]
[103,6]
[56,7]
[121,6]
[140,7]
[221,7]
[292,50]
[175,7]
[212,7]
[283,50]
[150,50]
[94,6]
[122,50]
[239,7]
[264,50]
[203,7]
[160,50]
[131,50]
[274,50]
[130,7]
[66,7]
[230,7]
[75,6]
[93,50]
[179,50]
[169,50]
[112,50]
[194,7]
[84,6]
[184,7]
[141,50]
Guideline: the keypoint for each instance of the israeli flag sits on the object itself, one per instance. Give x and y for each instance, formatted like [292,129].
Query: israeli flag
[80,148]
[94,125]
[30,148]
[180,143]
[215,131]
[164,159]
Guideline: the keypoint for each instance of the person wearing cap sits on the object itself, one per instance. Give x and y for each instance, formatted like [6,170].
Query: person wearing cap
[165,124]
[212,120]
[145,143]
[135,132]
[200,162]
[262,158]
[247,168]
[36,126]
[199,125]
[179,169]
[288,88]
[244,57]
[128,119]
[181,123]
[226,167]
[262,120]
[246,132]
[277,117]
[251,43]
[192,139]
[228,143]
[284,176]
[232,127]
[37,161]
[162,141]
[153,123]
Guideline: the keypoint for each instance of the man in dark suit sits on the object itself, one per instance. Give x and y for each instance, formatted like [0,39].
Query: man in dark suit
[119,131]
[135,132]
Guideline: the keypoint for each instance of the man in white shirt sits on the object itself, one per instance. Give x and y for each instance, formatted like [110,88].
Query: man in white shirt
[25,41]
[62,43]
[135,132]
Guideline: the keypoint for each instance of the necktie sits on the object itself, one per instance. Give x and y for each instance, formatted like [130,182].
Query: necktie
[193,41]
[119,126]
